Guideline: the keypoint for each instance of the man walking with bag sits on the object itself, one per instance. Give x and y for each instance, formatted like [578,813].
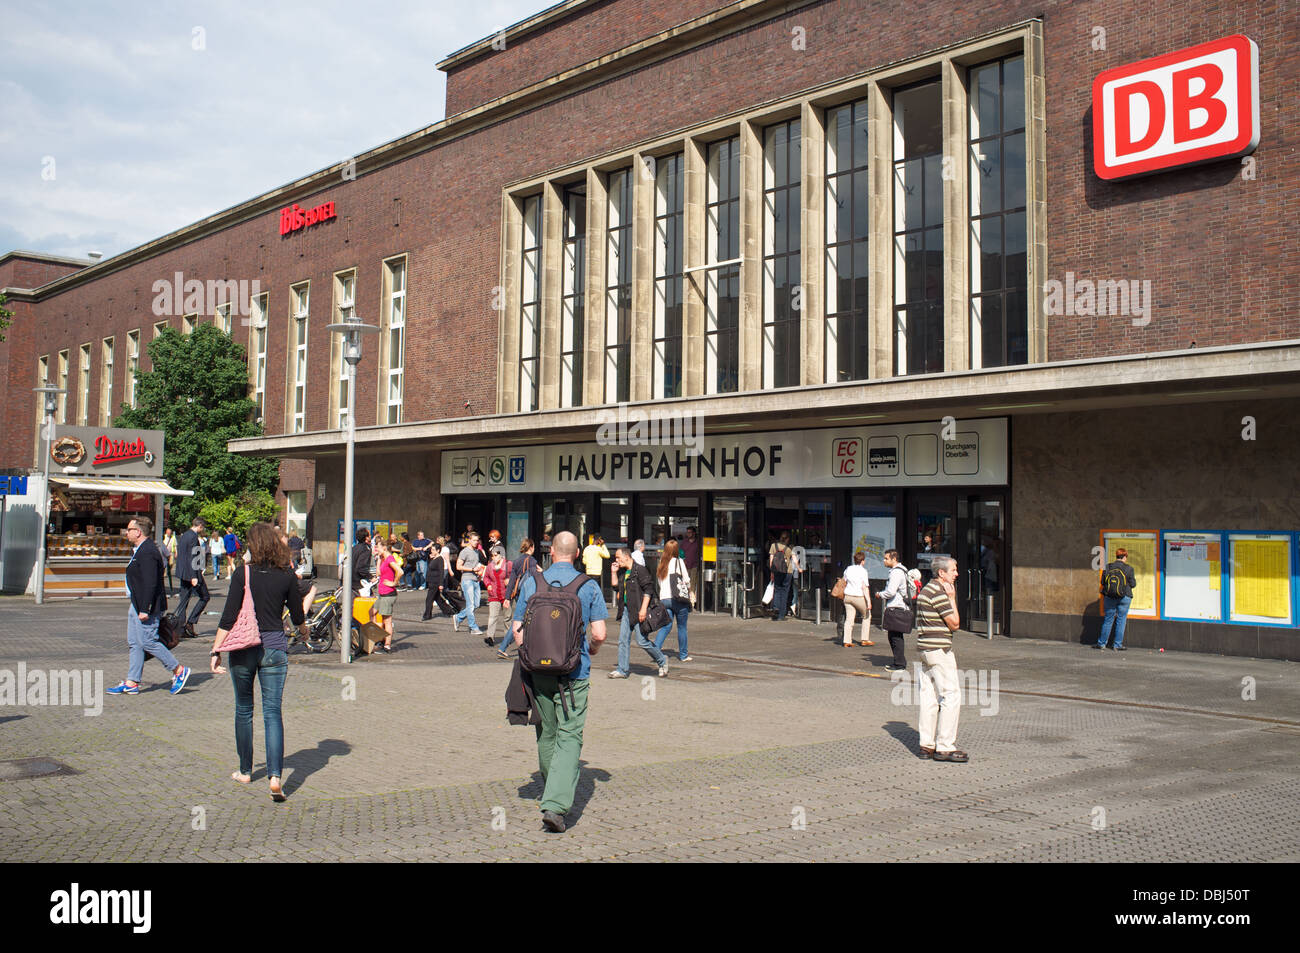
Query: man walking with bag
[562,693]
[632,596]
[145,579]
[897,617]
[189,562]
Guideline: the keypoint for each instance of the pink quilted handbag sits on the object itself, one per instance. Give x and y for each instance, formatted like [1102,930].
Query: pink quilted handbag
[244,634]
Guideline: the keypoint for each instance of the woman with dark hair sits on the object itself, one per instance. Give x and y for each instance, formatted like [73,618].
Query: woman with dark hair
[273,587]
[676,599]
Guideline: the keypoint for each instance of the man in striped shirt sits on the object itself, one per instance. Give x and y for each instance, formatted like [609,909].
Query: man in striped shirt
[940,688]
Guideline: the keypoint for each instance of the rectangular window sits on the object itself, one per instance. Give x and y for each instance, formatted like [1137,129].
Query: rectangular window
[782,241]
[999,276]
[223,317]
[159,328]
[63,387]
[106,384]
[299,299]
[132,365]
[42,380]
[396,321]
[83,403]
[722,284]
[918,230]
[618,288]
[669,275]
[345,309]
[295,512]
[573,270]
[257,324]
[530,299]
[188,323]
[847,228]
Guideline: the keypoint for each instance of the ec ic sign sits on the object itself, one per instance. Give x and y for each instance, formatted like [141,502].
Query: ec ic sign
[1196,105]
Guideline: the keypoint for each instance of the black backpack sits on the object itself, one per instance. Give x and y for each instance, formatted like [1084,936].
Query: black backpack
[553,627]
[778,559]
[1113,582]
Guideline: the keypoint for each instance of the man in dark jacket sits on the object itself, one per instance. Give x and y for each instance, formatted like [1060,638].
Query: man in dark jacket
[632,597]
[144,585]
[189,568]
[361,559]
[1117,606]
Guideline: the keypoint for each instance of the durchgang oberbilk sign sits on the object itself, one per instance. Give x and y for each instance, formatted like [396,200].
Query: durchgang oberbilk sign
[105,451]
[294,217]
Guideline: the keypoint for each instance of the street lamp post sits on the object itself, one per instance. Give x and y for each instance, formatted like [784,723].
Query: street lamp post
[350,331]
[51,405]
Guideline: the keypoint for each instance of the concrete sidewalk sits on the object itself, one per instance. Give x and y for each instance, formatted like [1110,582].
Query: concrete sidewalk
[772,744]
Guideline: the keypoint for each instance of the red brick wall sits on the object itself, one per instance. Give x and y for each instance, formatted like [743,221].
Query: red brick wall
[588,34]
[1219,251]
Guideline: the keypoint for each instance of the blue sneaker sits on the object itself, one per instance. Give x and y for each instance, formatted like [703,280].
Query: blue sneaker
[179,681]
[122,688]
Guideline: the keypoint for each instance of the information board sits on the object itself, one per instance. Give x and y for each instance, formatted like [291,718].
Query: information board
[1141,546]
[1193,576]
[873,535]
[1260,588]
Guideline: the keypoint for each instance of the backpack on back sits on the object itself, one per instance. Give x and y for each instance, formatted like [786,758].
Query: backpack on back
[1113,582]
[778,559]
[553,627]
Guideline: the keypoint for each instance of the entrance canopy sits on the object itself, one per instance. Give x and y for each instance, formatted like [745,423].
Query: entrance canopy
[120,485]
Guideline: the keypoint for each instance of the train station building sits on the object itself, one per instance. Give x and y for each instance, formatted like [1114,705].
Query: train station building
[1013,277]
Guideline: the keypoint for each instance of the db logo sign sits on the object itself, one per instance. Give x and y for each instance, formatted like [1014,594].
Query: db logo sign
[1196,105]
[846,457]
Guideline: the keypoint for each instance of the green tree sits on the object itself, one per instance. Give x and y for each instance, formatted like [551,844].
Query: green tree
[241,512]
[5,315]
[197,394]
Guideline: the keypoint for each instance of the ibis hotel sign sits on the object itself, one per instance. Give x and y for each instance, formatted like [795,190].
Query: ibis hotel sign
[1196,105]
[107,451]
[956,453]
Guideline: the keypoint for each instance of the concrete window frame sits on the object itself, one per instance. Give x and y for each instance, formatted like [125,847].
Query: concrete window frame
[83,385]
[106,381]
[394,279]
[258,324]
[132,366]
[296,357]
[344,307]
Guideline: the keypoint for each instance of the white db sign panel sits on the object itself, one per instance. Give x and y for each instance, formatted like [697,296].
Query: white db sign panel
[1197,105]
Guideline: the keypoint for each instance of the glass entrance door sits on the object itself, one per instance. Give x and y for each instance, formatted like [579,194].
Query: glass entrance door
[981,566]
[733,574]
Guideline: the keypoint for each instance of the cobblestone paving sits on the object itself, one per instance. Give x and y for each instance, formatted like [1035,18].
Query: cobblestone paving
[735,756]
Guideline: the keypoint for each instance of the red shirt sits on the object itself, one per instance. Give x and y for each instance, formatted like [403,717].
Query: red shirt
[388,577]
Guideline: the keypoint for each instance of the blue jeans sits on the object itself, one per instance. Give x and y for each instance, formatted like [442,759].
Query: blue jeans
[678,609]
[470,589]
[1117,616]
[421,573]
[271,668]
[781,594]
[142,637]
[626,627]
[216,565]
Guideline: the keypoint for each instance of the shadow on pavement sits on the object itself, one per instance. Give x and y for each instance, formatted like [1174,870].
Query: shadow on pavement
[905,735]
[11,718]
[308,761]
[587,778]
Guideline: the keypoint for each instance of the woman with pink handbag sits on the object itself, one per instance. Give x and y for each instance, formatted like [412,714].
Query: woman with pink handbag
[252,632]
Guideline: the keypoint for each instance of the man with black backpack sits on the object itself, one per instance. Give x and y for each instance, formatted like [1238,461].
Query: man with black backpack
[1117,584]
[550,628]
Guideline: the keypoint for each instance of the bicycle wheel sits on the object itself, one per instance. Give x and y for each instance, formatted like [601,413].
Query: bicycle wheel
[324,632]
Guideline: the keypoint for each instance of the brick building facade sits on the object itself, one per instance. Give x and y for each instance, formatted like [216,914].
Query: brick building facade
[557,107]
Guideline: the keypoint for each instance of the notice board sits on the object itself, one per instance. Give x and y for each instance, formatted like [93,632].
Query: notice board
[1141,546]
[1260,589]
[1192,575]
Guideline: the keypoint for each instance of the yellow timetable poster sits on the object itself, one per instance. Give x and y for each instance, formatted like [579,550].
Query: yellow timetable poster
[1261,579]
[1141,548]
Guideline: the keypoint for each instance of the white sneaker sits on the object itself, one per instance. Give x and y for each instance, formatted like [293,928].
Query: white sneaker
[686,658]
[617,674]
[663,670]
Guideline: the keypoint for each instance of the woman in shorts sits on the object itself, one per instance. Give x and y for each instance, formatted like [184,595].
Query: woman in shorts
[387,591]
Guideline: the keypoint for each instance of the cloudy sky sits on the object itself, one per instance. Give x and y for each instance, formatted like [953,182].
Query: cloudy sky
[122,121]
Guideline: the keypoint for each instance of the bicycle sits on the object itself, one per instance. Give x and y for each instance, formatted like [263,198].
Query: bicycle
[323,623]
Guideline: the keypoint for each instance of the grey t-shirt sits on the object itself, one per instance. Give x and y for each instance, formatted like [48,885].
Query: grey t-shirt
[469,558]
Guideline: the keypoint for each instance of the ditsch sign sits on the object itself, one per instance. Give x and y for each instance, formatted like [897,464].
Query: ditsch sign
[1196,105]
[294,217]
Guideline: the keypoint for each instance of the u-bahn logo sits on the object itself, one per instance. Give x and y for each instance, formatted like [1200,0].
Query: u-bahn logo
[516,469]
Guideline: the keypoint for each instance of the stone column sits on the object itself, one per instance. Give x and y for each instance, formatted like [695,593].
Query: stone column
[506,298]
[956,221]
[1036,190]
[552,289]
[593,377]
[880,248]
[812,252]
[695,174]
[643,235]
[751,253]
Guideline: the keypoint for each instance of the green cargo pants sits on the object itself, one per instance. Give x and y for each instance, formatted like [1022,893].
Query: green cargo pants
[559,739]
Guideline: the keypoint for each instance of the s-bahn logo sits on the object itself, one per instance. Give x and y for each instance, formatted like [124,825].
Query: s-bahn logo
[1195,105]
[108,450]
[846,457]
[294,217]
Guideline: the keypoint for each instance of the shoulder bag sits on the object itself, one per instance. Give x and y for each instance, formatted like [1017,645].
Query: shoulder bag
[837,591]
[244,633]
[679,582]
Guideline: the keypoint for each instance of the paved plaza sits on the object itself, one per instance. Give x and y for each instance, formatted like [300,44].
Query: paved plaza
[773,744]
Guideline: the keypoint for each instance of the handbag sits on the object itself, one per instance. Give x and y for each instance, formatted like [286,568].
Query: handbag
[680,583]
[244,633]
[769,593]
[837,591]
[656,617]
[169,632]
